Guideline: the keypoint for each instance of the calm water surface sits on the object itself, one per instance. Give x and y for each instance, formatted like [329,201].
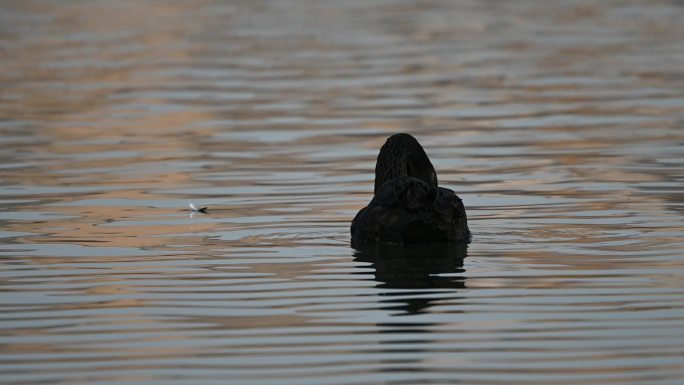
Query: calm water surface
[560,124]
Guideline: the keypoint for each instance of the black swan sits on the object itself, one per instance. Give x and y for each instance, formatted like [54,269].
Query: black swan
[408,207]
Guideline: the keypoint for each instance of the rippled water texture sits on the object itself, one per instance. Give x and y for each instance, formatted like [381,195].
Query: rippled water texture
[559,123]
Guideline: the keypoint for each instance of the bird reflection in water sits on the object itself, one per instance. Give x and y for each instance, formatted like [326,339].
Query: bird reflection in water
[416,277]
[414,268]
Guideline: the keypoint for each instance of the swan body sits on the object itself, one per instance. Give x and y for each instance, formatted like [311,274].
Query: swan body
[408,207]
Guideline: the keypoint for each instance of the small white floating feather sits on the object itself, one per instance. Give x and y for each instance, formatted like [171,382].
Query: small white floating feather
[195,209]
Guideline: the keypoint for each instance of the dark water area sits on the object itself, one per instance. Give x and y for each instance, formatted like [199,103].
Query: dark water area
[559,123]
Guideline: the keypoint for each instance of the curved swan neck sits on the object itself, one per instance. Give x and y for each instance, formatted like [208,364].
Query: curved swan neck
[402,155]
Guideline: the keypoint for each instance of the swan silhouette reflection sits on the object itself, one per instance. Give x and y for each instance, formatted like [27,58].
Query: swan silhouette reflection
[413,268]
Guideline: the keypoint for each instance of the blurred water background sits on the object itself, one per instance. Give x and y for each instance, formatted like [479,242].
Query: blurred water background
[559,123]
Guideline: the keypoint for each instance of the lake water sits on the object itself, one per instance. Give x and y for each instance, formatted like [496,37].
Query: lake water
[559,123]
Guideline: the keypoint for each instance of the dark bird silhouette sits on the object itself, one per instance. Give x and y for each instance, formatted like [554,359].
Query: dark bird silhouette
[408,206]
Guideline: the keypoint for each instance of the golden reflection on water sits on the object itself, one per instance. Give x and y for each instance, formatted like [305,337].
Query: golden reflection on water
[560,125]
